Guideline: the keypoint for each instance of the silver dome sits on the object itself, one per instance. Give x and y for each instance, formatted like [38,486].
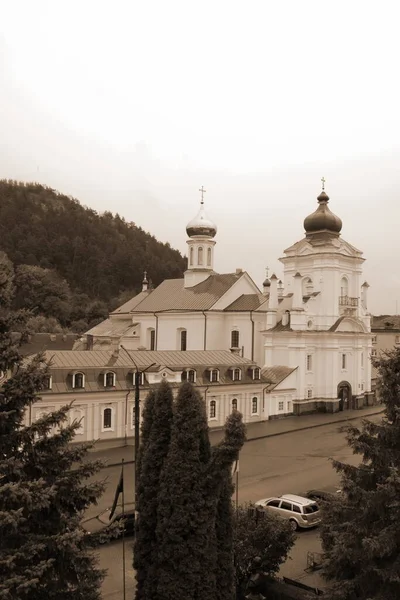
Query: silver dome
[201,225]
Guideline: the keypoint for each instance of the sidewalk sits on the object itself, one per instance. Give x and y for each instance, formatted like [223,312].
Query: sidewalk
[255,431]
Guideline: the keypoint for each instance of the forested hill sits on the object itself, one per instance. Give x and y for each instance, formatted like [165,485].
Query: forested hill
[99,255]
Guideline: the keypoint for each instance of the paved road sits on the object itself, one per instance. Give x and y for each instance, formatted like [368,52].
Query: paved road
[289,463]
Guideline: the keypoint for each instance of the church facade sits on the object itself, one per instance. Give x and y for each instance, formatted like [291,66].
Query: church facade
[314,321]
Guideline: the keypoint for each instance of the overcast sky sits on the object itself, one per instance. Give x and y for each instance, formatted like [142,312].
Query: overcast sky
[132,105]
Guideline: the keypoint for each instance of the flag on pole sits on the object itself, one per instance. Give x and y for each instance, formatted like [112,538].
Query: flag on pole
[118,491]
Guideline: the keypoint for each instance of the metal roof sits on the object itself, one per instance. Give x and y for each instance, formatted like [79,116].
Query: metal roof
[247,302]
[112,327]
[386,323]
[171,294]
[132,303]
[175,359]
[276,374]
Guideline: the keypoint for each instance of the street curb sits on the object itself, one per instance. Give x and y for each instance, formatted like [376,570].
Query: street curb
[266,435]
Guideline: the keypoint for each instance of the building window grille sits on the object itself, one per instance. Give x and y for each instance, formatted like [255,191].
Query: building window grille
[344,361]
[78,381]
[213,409]
[183,339]
[214,375]
[280,405]
[236,374]
[234,339]
[234,404]
[309,362]
[107,418]
[254,406]
[152,339]
[109,379]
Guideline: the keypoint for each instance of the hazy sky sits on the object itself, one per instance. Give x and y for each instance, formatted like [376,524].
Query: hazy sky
[132,105]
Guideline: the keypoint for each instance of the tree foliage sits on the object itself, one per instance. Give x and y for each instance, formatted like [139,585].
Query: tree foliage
[259,535]
[44,552]
[156,435]
[63,251]
[360,531]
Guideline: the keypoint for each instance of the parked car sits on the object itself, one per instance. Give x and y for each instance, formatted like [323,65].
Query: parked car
[301,512]
[324,495]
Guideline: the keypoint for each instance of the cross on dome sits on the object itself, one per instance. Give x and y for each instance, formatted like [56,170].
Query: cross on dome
[202,190]
[323,183]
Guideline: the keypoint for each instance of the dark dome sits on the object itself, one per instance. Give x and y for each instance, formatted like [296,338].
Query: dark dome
[323,219]
[267,283]
[201,225]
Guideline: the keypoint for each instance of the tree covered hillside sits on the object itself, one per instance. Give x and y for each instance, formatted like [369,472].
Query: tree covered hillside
[100,256]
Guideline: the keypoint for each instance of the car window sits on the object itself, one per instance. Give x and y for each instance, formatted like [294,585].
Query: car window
[310,508]
[296,508]
[273,503]
[286,505]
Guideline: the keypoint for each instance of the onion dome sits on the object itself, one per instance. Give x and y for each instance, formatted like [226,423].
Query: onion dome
[323,220]
[201,225]
[267,283]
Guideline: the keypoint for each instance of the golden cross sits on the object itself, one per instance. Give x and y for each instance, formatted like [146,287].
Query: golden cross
[323,183]
[202,190]
[267,271]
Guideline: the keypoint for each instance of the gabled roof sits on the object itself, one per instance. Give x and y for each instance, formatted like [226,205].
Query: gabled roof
[171,295]
[174,359]
[276,374]
[39,342]
[111,327]
[131,304]
[247,302]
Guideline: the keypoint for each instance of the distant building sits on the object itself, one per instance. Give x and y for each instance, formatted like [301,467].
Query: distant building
[315,320]
[101,386]
[385,336]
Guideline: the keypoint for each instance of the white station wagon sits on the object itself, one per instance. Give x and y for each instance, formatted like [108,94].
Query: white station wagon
[302,512]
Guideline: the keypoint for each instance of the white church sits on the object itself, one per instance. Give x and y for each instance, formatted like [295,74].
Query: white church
[313,321]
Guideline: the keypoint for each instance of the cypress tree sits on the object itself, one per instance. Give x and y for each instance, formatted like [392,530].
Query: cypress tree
[225,569]
[156,427]
[44,551]
[360,529]
[190,489]
[145,430]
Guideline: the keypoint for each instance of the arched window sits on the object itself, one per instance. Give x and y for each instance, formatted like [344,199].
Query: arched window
[107,418]
[256,373]
[213,409]
[254,406]
[307,286]
[213,375]
[78,381]
[286,318]
[234,404]
[191,256]
[109,379]
[209,257]
[235,338]
[200,256]
[192,376]
[344,287]
[183,339]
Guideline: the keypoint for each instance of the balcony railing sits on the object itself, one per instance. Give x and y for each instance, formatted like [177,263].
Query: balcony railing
[347,301]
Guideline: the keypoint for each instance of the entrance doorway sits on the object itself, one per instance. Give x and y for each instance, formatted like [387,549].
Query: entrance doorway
[344,395]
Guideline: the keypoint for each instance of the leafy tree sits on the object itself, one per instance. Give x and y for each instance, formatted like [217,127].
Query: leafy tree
[42,324]
[187,552]
[6,280]
[156,435]
[360,530]
[44,552]
[259,535]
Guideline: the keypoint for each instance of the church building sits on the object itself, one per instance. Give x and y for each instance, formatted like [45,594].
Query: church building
[313,321]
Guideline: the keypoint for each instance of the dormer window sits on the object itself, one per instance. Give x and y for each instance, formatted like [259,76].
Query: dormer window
[78,380]
[256,373]
[213,375]
[236,374]
[109,379]
[189,375]
[141,378]
[235,338]
[47,382]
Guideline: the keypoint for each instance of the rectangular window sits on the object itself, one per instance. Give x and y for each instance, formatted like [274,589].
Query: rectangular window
[309,393]
[373,352]
[107,418]
[213,375]
[362,359]
[280,405]
[374,339]
[234,339]
[344,361]
[254,406]
[213,409]
[183,339]
[152,339]
[309,362]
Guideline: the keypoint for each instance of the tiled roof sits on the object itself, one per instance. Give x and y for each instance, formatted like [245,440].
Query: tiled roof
[386,322]
[171,294]
[132,303]
[111,327]
[247,302]
[38,342]
[276,374]
[174,359]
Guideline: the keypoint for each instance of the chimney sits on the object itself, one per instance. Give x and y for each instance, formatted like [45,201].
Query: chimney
[364,295]
[280,289]
[115,347]
[297,292]
[239,271]
[145,283]
[273,293]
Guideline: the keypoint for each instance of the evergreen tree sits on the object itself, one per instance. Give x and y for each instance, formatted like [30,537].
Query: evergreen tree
[225,569]
[360,530]
[44,552]
[156,434]
[187,553]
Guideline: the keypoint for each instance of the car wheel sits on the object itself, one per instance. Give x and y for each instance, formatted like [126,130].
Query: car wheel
[293,524]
